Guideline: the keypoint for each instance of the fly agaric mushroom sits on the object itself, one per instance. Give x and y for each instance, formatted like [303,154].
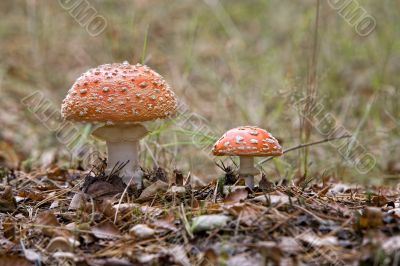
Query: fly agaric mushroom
[247,142]
[121,96]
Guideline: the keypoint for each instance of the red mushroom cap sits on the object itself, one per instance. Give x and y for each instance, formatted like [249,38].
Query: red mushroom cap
[119,93]
[247,141]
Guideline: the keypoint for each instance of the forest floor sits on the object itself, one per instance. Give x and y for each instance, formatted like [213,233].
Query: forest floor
[72,217]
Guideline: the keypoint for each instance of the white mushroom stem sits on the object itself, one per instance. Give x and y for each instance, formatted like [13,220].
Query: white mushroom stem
[123,148]
[124,152]
[247,170]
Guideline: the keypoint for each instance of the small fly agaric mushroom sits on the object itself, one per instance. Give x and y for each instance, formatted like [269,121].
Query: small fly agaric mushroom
[121,96]
[247,142]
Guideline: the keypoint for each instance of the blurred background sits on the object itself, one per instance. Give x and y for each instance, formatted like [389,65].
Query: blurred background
[232,63]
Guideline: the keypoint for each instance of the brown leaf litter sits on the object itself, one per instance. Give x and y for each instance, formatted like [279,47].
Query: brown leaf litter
[69,216]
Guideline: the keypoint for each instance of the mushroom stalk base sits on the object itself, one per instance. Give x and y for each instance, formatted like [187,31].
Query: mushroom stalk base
[123,147]
[247,170]
[125,152]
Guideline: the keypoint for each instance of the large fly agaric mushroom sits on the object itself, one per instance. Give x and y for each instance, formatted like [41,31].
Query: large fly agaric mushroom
[121,96]
[247,142]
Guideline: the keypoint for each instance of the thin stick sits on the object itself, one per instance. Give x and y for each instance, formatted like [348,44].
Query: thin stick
[306,145]
[120,199]
[186,222]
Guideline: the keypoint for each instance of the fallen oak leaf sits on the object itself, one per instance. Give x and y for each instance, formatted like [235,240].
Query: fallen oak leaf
[106,230]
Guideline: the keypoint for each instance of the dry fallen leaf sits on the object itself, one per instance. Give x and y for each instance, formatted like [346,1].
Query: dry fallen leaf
[313,240]
[142,231]
[13,260]
[210,258]
[272,199]
[247,212]
[209,222]
[31,195]
[265,185]
[229,189]
[78,201]
[9,229]
[32,255]
[391,245]
[8,155]
[290,245]
[106,230]
[100,189]
[178,253]
[371,218]
[148,210]
[245,260]
[7,200]
[167,222]
[177,190]
[56,173]
[153,189]
[378,200]
[236,196]
[111,262]
[178,177]
[147,259]
[49,221]
[270,252]
[59,244]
